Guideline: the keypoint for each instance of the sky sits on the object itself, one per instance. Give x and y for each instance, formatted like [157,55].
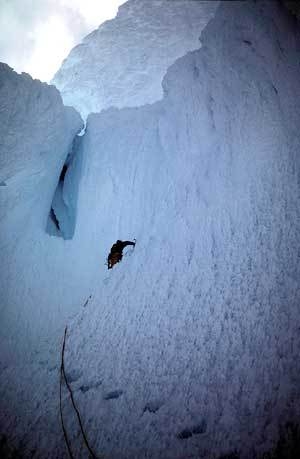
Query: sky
[36,35]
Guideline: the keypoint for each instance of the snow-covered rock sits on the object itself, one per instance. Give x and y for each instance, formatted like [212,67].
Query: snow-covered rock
[122,64]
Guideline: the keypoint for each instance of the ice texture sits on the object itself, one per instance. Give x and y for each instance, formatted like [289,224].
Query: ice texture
[123,62]
[190,346]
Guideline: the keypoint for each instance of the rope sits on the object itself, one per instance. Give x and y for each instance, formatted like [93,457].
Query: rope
[60,399]
[63,374]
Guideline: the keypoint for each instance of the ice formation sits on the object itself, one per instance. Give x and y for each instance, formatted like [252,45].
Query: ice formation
[37,133]
[122,63]
[189,347]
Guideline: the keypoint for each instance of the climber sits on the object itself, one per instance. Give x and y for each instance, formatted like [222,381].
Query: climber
[116,252]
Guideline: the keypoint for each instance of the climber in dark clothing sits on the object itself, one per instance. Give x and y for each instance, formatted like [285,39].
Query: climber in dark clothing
[116,252]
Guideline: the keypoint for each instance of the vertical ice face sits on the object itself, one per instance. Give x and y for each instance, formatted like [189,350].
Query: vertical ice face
[196,333]
[190,346]
[36,136]
[123,62]
[36,132]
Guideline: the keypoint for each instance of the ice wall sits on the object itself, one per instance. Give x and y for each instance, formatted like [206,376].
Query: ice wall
[37,133]
[123,62]
[189,347]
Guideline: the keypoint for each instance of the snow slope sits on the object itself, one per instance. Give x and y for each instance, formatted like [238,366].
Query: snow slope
[123,62]
[189,347]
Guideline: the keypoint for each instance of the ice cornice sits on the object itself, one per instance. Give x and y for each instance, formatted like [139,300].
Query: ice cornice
[123,62]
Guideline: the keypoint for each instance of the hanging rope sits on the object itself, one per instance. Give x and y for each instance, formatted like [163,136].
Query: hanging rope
[60,397]
[63,376]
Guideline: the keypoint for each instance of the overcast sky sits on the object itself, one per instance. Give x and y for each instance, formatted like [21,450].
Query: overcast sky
[36,35]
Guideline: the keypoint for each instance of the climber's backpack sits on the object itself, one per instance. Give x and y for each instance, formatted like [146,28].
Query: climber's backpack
[113,258]
[116,252]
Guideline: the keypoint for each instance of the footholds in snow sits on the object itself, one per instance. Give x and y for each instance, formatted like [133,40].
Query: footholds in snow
[152,406]
[195,430]
[86,387]
[184,434]
[113,394]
